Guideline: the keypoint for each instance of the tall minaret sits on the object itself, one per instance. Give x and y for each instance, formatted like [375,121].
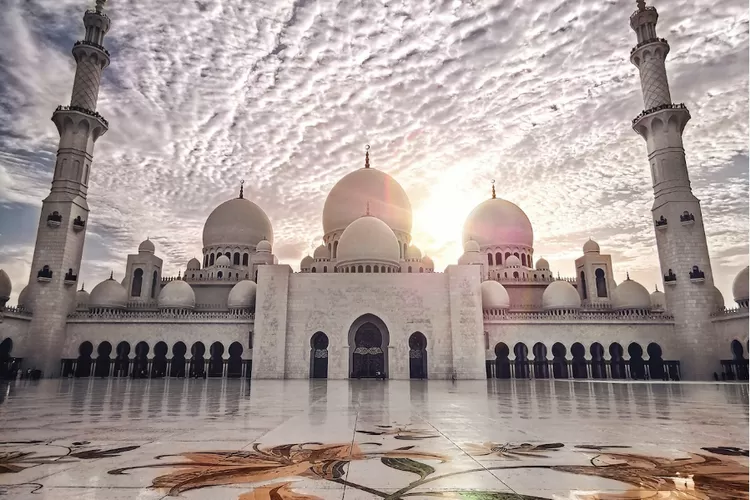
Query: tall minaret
[62,225]
[678,222]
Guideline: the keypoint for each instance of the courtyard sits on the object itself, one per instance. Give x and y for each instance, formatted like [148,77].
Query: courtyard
[318,439]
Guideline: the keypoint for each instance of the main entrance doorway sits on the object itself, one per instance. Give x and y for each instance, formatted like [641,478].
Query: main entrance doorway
[369,346]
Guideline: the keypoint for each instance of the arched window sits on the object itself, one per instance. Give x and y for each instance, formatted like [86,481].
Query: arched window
[404,249]
[219,275]
[507,254]
[325,269]
[523,259]
[154,281]
[211,260]
[584,293]
[236,258]
[421,269]
[375,269]
[205,261]
[515,274]
[229,255]
[330,248]
[409,268]
[245,258]
[516,254]
[601,283]
[360,269]
[335,249]
[313,270]
[498,259]
[382,269]
[489,259]
[368,269]
[135,287]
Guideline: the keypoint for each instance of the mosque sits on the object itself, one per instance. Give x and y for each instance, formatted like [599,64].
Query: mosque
[368,303]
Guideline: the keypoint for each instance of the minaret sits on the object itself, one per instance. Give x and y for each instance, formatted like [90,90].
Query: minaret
[678,222]
[62,225]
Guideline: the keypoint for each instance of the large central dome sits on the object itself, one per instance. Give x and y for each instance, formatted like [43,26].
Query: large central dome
[348,201]
[497,222]
[237,222]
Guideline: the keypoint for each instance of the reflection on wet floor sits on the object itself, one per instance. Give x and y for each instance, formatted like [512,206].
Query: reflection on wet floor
[369,439]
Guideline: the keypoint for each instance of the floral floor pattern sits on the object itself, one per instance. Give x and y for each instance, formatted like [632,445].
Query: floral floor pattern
[372,440]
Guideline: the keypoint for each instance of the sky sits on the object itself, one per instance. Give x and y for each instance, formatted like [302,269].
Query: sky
[449,94]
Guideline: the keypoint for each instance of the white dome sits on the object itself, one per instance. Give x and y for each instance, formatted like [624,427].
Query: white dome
[497,222]
[560,295]
[471,246]
[630,295]
[23,299]
[658,300]
[237,222]
[412,252]
[322,253]
[349,198]
[242,295]
[82,300]
[428,263]
[512,261]
[263,246]
[494,295]
[542,265]
[177,294]
[740,287]
[591,246]
[368,238]
[306,262]
[471,258]
[223,261]
[146,246]
[719,299]
[5,286]
[109,294]
[193,264]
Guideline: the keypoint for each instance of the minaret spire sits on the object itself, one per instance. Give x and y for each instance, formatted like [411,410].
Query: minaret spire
[242,189]
[493,189]
[62,225]
[367,156]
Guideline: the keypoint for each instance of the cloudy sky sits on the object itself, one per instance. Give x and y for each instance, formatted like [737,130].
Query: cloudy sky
[450,94]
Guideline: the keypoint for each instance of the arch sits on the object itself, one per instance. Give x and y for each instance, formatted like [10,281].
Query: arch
[236,259]
[382,269]
[122,360]
[368,347]
[541,368]
[421,269]
[177,368]
[523,259]
[489,259]
[216,361]
[637,365]
[197,360]
[655,362]
[137,284]
[375,269]
[579,367]
[507,254]
[601,283]
[83,369]
[559,362]
[234,364]
[228,255]
[738,352]
[319,355]
[159,362]
[219,275]
[211,260]
[245,258]
[103,350]
[515,274]
[205,261]
[368,268]
[516,255]
[617,363]
[417,356]
[498,258]
[154,282]
[522,362]
[502,363]
[360,269]
[140,363]
[409,268]
[335,249]
[6,346]
[584,292]
[313,270]
[598,366]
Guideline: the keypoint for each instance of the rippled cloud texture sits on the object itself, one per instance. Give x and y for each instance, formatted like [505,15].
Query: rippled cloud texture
[285,94]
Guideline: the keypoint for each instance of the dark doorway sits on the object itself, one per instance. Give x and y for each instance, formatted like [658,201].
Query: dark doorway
[541,369]
[234,364]
[102,359]
[216,364]
[522,361]
[140,363]
[197,361]
[319,355]
[655,362]
[617,364]
[502,363]
[177,368]
[598,367]
[417,356]
[7,364]
[559,361]
[368,360]
[637,365]
[122,362]
[84,359]
[159,364]
[579,360]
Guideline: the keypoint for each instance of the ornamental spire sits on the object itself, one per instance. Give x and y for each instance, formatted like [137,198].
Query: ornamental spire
[641,5]
[111,275]
[493,189]
[627,274]
[100,6]
[242,189]
[367,156]
[368,209]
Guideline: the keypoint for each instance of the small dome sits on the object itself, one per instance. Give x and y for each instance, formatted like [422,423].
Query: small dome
[109,294]
[412,252]
[322,253]
[82,300]
[242,295]
[471,246]
[718,299]
[494,295]
[497,222]
[591,246]
[5,286]
[542,265]
[306,262]
[428,263]
[23,298]
[658,300]
[237,222]
[223,261]
[263,246]
[177,294]
[560,295]
[368,238]
[740,287]
[630,295]
[193,264]
[512,261]
[146,246]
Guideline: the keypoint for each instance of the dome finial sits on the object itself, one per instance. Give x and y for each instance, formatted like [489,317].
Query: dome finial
[627,275]
[641,5]
[83,286]
[100,6]
[367,156]
[656,287]
[242,189]
[111,275]
[493,189]
[368,209]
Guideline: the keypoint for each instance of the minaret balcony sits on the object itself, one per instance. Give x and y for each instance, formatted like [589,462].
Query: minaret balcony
[91,44]
[687,219]
[656,109]
[661,223]
[79,224]
[648,42]
[44,275]
[80,109]
[670,278]
[70,279]
[697,276]
[54,219]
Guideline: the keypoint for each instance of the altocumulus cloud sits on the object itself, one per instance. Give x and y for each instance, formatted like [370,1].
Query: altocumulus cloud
[284,94]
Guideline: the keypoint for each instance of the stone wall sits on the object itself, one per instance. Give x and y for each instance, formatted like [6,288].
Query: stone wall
[732,325]
[15,327]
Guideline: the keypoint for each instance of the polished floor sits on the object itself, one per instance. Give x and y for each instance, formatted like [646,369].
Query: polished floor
[305,440]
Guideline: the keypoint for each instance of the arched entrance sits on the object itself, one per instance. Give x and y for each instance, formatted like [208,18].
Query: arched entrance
[101,369]
[655,362]
[319,355]
[368,345]
[216,363]
[417,356]
[122,361]
[159,363]
[6,361]
[177,368]
[140,363]
[502,362]
[83,369]
[234,364]
[197,361]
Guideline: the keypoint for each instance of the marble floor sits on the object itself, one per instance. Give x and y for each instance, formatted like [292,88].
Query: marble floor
[368,440]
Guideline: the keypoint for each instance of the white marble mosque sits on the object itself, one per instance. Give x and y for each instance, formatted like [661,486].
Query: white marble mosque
[368,303]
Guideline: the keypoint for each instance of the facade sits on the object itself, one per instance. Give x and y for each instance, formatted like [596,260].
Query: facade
[368,303]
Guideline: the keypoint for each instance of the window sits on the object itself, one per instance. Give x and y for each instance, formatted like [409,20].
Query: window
[375,269]
[516,254]
[154,281]
[515,274]
[421,269]
[368,269]
[219,275]
[601,283]
[211,260]
[205,261]
[335,249]
[360,269]
[507,254]
[584,293]
[229,255]
[489,259]
[409,269]
[236,258]
[325,269]
[382,269]
[137,283]
[498,259]
[245,258]
[523,259]
[313,270]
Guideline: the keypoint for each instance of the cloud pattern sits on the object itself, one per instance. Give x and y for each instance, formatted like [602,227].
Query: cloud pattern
[285,94]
